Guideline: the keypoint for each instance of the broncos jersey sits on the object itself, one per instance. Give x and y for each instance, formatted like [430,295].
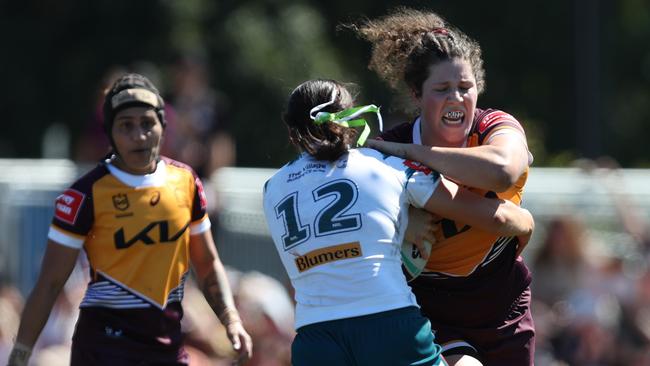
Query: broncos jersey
[338,227]
[135,231]
[460,250]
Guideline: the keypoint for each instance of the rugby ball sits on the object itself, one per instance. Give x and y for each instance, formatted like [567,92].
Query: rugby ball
[412,262]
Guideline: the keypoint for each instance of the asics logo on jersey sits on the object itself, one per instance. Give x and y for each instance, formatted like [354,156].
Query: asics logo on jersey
[155,198]
[327,255]
[143,235]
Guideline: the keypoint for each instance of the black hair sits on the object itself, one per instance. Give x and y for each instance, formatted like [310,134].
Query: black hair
[326,141]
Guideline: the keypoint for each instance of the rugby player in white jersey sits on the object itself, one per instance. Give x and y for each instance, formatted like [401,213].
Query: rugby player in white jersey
[338,216]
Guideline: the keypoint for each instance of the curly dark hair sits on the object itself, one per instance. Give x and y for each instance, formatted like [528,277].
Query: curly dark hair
[406,42]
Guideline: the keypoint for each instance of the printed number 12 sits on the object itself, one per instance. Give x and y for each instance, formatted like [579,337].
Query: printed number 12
[332,219]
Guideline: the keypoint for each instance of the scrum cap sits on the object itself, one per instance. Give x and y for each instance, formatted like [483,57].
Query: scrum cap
[128,91]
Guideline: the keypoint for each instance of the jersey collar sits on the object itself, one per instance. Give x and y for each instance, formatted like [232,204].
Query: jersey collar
[155,179]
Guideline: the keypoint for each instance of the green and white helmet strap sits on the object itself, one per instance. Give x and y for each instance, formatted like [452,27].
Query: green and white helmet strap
[347,117]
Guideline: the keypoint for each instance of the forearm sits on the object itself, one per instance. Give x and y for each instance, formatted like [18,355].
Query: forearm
[514,220]
[486,167]
[494,215]
[217,292]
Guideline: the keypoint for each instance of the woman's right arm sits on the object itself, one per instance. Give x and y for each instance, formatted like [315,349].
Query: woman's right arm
[495,166]
[494,215]
[58,263]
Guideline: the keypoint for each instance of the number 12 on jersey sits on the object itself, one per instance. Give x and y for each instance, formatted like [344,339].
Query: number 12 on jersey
[332,219]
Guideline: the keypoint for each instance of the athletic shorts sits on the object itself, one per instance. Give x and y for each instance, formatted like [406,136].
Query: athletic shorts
[102,357]
[511,342]
[102,338]
[395,337]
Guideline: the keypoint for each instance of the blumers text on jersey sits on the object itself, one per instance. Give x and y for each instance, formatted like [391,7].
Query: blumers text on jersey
[337,227]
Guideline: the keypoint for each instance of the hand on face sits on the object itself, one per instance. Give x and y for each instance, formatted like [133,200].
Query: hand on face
[448,101]
[137,135]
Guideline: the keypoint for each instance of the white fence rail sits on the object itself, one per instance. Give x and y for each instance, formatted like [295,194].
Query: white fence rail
[28,189]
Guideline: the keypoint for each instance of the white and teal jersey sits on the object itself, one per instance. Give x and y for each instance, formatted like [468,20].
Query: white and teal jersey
[338,227]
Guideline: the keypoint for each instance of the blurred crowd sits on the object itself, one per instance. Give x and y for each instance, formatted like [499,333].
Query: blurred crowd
[264,304]
[591,302]
[591,306]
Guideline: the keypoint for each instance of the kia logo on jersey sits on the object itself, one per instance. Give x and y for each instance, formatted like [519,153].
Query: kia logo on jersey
[121,201]
[164,235]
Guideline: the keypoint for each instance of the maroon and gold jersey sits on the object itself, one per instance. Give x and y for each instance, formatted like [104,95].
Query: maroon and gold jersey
[135,231]
[463,251]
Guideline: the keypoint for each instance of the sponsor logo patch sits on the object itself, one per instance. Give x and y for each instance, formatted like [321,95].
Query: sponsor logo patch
[328,255]
[121,201]
[417,166]
[491,119]
[68,205]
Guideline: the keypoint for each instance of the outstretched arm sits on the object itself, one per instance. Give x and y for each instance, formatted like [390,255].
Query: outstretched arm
[213,281]
[495,215]
[58,263]
[495,166]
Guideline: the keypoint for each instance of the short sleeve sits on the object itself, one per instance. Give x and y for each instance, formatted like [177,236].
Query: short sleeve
[421,183]
[200,220]
[73,217]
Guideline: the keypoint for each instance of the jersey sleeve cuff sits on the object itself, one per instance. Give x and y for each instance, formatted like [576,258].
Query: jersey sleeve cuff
[420,190]
[200,226]
[65,238]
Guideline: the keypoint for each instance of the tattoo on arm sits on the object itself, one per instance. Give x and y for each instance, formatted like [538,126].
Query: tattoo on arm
[217,293]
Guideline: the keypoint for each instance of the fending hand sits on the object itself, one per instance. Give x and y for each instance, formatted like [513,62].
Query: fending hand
[422,226]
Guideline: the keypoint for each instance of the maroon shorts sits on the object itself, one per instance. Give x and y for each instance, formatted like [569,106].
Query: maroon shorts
[126,337]
[486,315]
[508,342]
[105,357]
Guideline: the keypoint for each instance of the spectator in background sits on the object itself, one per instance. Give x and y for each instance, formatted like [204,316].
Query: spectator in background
[266,311]
[11,304]
[93,144]
[561,262]
[201,139]
[267,314]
